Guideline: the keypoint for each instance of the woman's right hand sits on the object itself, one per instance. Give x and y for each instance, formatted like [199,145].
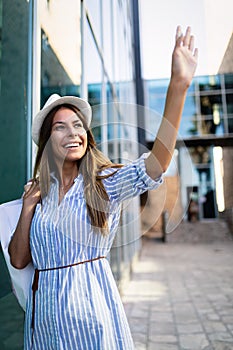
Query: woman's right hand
[19,247]
[32,194]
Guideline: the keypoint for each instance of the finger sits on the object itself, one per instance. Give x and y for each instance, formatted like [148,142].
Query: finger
[196,53]
[31,185]
[187,36]
[28,186]
[178,32]
[191,43]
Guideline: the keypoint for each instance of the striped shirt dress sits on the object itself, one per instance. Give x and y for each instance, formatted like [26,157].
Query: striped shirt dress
[79,307]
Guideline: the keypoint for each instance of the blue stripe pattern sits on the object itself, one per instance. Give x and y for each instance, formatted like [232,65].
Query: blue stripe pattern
[80,307]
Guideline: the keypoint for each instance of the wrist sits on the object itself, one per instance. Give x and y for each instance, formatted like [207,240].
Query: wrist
[28,209]
[180,85]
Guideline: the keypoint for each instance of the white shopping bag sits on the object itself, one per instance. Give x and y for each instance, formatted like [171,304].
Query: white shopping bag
[21,279]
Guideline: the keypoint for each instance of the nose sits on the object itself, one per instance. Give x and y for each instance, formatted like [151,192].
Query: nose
[72,131]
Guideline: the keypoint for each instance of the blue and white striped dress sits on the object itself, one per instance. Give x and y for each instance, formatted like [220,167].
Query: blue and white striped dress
[79,307]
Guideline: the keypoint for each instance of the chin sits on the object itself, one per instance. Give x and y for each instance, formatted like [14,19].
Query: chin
[74,158]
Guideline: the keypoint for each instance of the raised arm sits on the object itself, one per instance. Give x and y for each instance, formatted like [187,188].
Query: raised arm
[184,62]
[19,247]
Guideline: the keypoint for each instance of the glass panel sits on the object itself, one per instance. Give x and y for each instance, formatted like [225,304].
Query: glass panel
[188,127]
[211,110]
[189,106]
[229,101]
[93,67]
[93,75]
[191,88]
[228,81]
[0,33]
[14,18]
[230,124]
[209,83]
[94,8]
[157,104]
[109,49]
[94,98]
[60,49]
[209,126]
[157,87]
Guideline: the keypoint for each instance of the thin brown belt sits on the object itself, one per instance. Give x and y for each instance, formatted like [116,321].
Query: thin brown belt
[36,281]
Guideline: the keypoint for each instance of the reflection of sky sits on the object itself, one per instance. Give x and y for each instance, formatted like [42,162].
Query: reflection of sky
[156,96]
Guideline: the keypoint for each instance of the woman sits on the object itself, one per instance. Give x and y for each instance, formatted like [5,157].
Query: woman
[70,216]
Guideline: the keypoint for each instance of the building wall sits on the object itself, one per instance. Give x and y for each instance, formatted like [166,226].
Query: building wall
[167,198]
[227,61]
[225,68]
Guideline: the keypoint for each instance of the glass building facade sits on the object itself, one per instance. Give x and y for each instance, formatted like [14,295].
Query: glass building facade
[208,109]
[81,48]
[206,127]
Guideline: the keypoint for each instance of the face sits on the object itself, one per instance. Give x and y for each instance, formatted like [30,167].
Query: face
[68,136]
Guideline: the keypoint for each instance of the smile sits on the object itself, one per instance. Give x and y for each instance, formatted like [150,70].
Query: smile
[73,145]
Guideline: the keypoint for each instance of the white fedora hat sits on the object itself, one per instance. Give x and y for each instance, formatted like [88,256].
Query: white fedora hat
[54,101]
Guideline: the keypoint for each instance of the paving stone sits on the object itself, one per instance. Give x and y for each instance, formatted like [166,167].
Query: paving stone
[161,317]
[228,319]
[220,336]
[214,326]
[193,341]
[140,338]
[220,346]
[212,317]
[156,328]
[163,338]
[140,346]
[161,346]
[137,326]
[189,328]
[186,317]
[138,312]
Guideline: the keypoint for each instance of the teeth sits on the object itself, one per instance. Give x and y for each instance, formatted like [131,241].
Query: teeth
[72,145]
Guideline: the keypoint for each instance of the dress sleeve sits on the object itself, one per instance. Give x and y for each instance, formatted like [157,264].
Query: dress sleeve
[131,180]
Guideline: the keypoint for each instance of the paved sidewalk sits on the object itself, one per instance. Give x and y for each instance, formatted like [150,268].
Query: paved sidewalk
[181,295]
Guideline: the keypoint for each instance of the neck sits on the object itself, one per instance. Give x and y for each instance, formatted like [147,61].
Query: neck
[67,175]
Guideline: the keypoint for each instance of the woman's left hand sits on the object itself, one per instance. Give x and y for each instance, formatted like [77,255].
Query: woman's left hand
[184,57]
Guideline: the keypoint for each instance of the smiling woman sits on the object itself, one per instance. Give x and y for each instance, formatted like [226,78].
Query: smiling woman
[71,214]
[69,218]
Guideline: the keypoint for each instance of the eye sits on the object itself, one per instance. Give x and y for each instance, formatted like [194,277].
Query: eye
[59,127]
[78,126]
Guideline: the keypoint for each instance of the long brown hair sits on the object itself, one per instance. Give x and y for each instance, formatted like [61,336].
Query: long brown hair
[90,166]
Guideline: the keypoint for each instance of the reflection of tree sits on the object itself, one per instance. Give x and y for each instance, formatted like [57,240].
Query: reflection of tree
[200,155]
[210,112]
[194,129]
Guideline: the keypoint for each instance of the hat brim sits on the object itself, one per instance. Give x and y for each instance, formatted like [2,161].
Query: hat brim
[78,102]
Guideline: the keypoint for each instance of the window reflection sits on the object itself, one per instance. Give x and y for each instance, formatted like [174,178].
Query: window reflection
[0,31]
[60,50]
[189,127]
[228,81]
[211,111]
[206,110]
[14,92]
[209,83]
[229,101]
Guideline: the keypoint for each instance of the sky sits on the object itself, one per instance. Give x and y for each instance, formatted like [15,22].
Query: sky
[211,22]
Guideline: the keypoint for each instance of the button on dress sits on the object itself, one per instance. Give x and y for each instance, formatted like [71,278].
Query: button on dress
[79,307]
